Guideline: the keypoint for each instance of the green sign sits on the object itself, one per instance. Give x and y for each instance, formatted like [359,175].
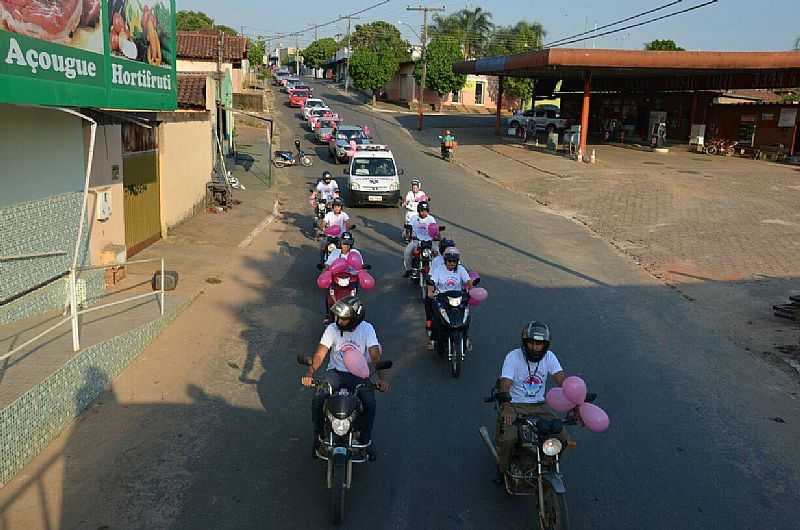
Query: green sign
[92,53]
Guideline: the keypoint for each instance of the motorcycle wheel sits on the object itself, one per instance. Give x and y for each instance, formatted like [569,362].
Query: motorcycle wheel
[278,162]
[711,150]
[457,352]
[338,488]
[305,161]
[553,516]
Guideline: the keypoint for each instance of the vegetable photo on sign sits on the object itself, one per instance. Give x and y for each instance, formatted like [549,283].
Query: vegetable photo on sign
[140,30]
[74,23]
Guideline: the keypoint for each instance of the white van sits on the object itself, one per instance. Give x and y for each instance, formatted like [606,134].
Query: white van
[372,176]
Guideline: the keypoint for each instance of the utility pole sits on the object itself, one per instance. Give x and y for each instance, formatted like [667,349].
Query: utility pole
[347,59]
[297,53]
[425,11]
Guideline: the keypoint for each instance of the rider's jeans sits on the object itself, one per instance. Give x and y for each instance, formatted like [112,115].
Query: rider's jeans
[339,379]
[407,254]
[505,436]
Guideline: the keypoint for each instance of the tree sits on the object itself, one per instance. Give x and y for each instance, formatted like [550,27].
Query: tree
[663,45]
[520,38]
[256,51]
[442,52]
[471,28]
[193,20]
[227,30]
[379,34]
[371,68]
[320,52]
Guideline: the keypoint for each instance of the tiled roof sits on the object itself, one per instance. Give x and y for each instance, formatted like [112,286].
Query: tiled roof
[192,90]
[203,45]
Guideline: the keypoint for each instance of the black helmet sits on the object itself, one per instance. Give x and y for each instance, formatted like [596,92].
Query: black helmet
[347,239]
[535,331]
[444,244]
[423,205]
[348,307]
[326,176]
[338,202]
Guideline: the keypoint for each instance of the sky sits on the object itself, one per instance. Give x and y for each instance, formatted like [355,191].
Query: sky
[728,25]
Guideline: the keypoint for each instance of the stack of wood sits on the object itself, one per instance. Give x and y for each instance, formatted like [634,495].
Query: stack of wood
[790,310]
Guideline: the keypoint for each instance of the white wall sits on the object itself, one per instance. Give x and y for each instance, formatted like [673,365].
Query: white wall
[109,235]
[41,154]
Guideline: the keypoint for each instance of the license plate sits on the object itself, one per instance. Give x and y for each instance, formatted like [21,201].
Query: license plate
[374,198]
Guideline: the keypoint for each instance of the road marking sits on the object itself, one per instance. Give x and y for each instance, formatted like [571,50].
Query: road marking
[260,227]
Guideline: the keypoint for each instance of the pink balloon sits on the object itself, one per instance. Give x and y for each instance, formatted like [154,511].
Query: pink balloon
[575,389]
[333,231]
[595,418]
[433,230]
[338,265]
[473,302]
[474,276]
[354,260]
[324,280]
[558,401]
[356,363]
[478,293]
[423,197]
[365,280]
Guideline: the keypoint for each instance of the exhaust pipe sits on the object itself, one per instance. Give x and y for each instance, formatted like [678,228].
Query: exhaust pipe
[485,436]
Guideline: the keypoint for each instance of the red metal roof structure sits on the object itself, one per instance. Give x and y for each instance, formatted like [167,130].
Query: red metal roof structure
[202,45]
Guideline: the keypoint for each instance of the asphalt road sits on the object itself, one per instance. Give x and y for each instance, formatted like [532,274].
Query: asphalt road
[691,444]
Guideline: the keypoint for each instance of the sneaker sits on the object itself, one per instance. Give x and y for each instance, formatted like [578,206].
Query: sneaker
[431,345]
[372,454]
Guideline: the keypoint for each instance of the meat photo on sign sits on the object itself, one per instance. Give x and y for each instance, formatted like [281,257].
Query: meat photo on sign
[140,30]
[74,23]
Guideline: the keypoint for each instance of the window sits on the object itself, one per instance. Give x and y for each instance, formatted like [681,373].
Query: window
[479,93]
[374,167]
[540,114]
[455,97]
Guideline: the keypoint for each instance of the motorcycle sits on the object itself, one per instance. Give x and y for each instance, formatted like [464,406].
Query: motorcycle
[720,146]
[447,147]
[344,284]
[287,158]
[421,259]
[411,209]
[450,334]
[321,208]
[338,442]
[535,470]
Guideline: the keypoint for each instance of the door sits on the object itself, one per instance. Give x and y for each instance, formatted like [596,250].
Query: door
[479,93]
[140,180]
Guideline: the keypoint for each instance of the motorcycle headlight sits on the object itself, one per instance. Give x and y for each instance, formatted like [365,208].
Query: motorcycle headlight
[444,315]
[426,253]
[355,186]
[340,427]
[454,301]
[394,186]
[343,282]
[551,446]
[331,248]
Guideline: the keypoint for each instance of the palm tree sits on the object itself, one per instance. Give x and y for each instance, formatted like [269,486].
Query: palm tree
[471,27]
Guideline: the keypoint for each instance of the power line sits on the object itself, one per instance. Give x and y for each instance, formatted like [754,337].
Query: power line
[649,21]
[643,13]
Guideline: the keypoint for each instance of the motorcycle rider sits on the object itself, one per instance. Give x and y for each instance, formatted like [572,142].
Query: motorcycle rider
[327,188]
[419,232]
[452,277]
[438,261]
[349,331]
[445,138]
[346,246]
[336,217]
[521,387]
[413,197]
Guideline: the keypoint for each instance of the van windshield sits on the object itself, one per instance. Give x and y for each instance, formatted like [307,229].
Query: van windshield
[374,167]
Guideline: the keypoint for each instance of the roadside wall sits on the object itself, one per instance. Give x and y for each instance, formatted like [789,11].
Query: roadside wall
[185,165]
[106,236]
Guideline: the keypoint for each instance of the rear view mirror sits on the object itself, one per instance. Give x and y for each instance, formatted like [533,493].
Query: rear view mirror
[383,365]
[442,228]
[353,227]
[304,360]
[367,267]
[346,171]
[320,266]
[401,172]
[475,282]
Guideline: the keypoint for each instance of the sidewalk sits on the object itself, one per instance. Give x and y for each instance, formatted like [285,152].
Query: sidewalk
[724,232]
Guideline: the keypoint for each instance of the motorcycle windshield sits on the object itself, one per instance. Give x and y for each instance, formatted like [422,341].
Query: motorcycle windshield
[342,406]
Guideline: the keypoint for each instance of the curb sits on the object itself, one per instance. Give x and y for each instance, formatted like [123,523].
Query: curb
[246,242]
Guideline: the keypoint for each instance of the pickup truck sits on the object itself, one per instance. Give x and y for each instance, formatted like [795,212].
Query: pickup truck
[545,118]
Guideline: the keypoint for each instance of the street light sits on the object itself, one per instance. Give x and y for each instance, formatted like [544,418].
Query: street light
[411,28]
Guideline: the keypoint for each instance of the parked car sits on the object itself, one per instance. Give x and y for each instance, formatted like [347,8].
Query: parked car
[298,97]
[319,113]
[323,129]
[343,140]
[312,103]
[545,118]
[372,177]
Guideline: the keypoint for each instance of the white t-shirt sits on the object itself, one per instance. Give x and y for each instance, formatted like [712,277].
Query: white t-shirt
[336,254]
[528,379]
[419,227]
[331,219]
[361,339]
[413,198]
[446,280]
[437,262]
[326,191]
